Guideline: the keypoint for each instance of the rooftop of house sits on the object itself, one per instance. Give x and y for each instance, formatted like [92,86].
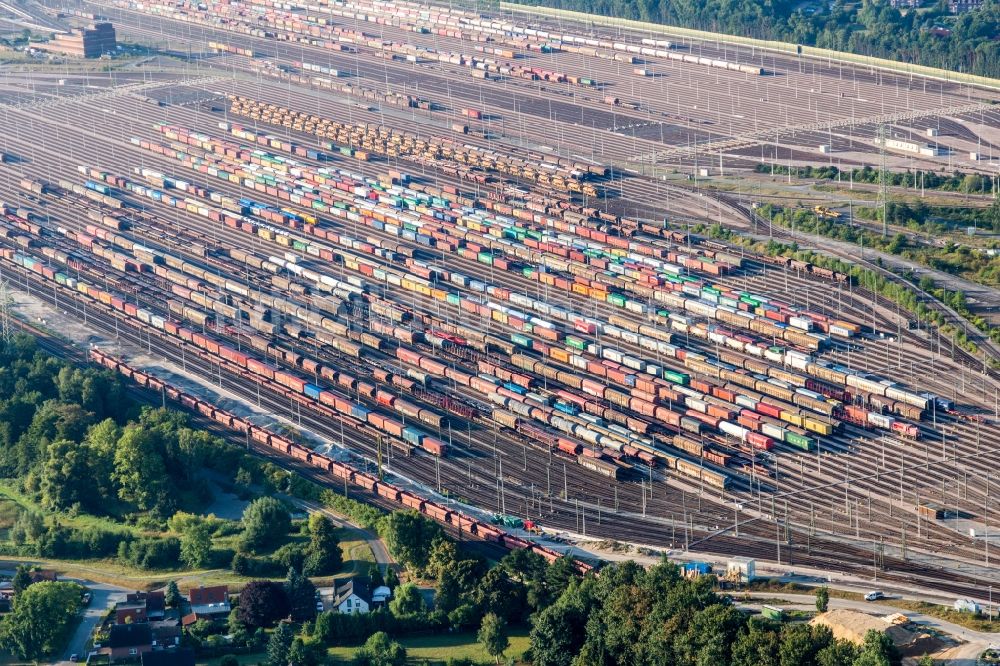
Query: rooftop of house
[172,657]
[354,586]
[130,635]
[215,594]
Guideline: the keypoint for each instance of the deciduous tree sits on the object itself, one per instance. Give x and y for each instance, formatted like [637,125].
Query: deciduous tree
[380,650]
[41,617]
[263,603]
[265,521]
[493,636]
[196,545]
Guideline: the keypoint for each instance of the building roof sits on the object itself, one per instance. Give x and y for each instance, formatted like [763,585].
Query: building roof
[130,635]
[165,629]
[172,657]
[354,586]
[152,601]
[216,594]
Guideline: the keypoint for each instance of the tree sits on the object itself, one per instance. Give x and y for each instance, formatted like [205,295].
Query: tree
[380,650]
[559,575]
[822,598]
[391,578]
[756,645]
[925,661]
[871,659]
[239,632]
[263,603]
[65,476]
[529,568]
[556,635]
[41,617]
[306,653]
[443,554]
[838,653]
[279,645]
[172,595]
[323,556]
[375,578]
[196,545]
[301,595]
[407,601]
[498,593]
[493,636]
[878,649]
[797,647]
[265,521]
[409,536]
[21,579]
[139,469]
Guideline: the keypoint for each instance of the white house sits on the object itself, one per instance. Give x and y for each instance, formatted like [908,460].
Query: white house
[352,597]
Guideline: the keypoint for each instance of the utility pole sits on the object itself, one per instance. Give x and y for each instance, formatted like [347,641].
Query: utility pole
[883,179]
[6,329]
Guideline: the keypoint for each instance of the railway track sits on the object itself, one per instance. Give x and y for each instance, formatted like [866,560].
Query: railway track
[822,480]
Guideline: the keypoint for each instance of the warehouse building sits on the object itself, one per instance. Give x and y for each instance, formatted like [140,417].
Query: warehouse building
[90,42]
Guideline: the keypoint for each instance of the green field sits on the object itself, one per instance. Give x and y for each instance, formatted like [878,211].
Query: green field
[436,649]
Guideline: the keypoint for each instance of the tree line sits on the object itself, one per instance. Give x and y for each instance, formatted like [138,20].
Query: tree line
[967,183]
[871,28]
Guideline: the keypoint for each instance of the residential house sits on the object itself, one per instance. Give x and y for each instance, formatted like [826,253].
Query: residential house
[156,603]
[207,603]
[128,641]
[166,633]
[130,613]
[178,657]
[352,598]
[141,607]
[962,6]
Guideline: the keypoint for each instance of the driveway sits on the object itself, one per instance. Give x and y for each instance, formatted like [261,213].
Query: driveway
[102,596]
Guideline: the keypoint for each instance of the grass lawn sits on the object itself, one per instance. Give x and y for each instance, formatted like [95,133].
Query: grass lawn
[442,647]
[356,551]
[435,649]
[357,555]
[8,493]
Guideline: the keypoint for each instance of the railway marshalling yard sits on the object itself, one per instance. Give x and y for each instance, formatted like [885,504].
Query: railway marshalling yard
[437,237]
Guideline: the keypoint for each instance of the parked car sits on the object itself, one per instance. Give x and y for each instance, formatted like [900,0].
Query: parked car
[875,595]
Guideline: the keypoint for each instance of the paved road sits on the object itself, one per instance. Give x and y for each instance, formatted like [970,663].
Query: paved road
[102,597]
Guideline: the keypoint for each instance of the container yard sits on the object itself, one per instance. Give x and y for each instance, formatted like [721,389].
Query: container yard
[428,278]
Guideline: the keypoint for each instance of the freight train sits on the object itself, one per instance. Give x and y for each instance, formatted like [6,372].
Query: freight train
[333,468]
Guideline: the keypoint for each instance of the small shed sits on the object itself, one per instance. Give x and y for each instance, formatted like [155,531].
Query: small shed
[743,568]
[931,510]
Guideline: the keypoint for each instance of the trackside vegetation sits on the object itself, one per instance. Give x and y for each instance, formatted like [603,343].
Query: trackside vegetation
[929,36]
